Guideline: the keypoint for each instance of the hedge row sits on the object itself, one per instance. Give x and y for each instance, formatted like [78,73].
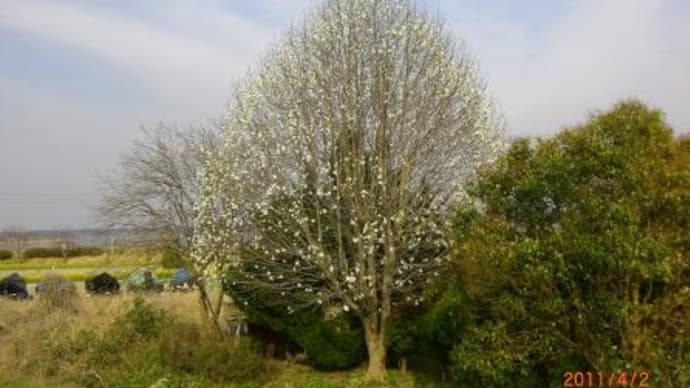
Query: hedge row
[5,254]
[59,252]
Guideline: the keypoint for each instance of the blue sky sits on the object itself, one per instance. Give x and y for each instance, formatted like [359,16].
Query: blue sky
[79,78]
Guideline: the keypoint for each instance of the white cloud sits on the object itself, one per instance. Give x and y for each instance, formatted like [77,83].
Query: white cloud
[595,54]
[190,53]
[187,54]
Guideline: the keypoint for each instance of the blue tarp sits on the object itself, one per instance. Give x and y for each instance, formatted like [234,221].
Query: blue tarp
[182,276]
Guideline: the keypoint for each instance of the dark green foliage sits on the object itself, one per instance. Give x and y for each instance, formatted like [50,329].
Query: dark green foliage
[559,264]
[5,254]
[32,253]
[336,343]
[425,338]
[142,320]
[84,251]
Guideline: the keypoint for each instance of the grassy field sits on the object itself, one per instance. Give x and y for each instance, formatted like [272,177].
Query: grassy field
[123,257]
[93,345]
[127,260]
[131,340]
[81,274]
[78,269]
[45,347]
[290,376]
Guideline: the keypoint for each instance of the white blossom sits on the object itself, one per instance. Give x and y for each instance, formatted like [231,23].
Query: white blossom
[335,193]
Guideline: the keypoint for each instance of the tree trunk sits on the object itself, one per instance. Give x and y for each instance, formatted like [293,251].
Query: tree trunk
[209,314]
[376,348]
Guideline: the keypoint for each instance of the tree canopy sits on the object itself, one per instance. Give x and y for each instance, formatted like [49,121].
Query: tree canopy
[577,251]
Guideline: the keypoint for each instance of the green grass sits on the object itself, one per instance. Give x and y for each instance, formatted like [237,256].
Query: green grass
[81,276]
[30,264]
[304,376]
[8,382]
[33,270]
[291,376]
[43,252]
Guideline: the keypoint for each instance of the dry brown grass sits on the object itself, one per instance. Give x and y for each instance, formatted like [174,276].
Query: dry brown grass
[31,329]
[58,292]
[49,347]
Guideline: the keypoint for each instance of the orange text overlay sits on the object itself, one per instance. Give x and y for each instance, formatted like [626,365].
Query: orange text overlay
[606,379]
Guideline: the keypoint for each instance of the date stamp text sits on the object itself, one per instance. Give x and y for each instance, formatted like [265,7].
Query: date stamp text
[630,379]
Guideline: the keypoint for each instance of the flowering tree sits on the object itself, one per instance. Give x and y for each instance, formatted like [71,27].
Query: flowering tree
[341,155]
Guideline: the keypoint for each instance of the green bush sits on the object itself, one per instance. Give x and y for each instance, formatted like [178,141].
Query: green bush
[186,348]
[141,321]
[424,337]
[35,253]
[572,233]
[330,345]
[336,343]
[141,346]
[333,344]
[5,254]
[84,251]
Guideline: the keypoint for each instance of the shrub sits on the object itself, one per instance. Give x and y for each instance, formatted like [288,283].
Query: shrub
[185,347]
[35,253]
[57,292]
[5,254]
[106,352]
[425,338]
[70,347]
[245,361]
[333,344]
[84,251]
[136,345]
[330,344]
[572,229]
[141,321]
[336,343]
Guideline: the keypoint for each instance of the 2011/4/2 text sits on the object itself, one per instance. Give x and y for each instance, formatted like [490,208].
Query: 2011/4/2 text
[606,379]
